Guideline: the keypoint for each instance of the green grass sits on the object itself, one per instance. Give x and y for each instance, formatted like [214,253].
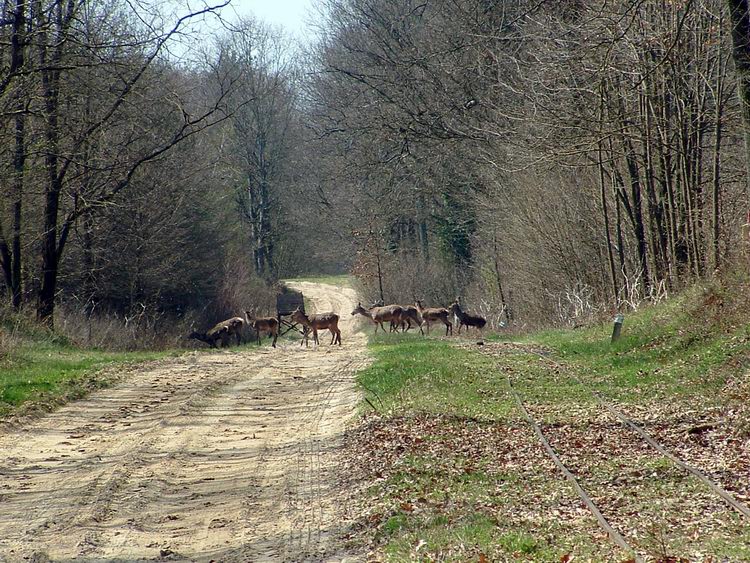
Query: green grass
[459,476]
[49,371]
[450,491]
[665,351]
[430,375]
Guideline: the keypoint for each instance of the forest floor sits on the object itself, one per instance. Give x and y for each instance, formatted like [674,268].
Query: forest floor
[225,455]
[451,468]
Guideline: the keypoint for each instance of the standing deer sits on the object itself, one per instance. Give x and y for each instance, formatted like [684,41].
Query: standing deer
[380,315]
[466,319]
[316,322]
[397,320]
[222,331]
[264,325]
[410,313]
[435,314]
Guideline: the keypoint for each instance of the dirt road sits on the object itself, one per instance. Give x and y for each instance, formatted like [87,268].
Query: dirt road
[225,456]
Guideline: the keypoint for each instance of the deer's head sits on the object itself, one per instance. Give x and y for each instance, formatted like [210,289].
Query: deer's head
[298,315]
[359,310]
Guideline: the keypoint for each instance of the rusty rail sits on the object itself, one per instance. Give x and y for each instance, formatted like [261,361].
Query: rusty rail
[725,495]
[613,534]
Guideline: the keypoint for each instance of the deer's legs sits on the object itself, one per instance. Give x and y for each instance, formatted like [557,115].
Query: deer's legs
[335,336]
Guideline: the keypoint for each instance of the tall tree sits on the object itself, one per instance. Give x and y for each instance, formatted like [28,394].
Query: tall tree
[262,132]
[82,81]
[739,12]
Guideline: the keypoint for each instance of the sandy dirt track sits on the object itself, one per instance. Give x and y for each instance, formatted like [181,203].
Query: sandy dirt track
[224,456]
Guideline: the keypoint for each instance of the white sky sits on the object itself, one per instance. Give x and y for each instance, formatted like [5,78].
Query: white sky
[293,15]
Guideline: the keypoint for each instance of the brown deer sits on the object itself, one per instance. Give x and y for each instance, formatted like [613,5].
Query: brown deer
[264,325]
[396,321]
[465,319]
[435,314]
[221,332]
[316,322]
[409,313]
[380,315]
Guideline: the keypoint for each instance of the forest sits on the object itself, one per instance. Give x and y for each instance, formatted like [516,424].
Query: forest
[549,162]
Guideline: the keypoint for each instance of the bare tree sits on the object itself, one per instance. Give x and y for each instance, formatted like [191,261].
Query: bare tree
[91,71]
[261,136]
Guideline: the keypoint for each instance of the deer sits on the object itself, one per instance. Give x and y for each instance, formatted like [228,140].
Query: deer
[410,313]
[396,320]
[380,315]
[465,318]
[435,314]
[222,331]
[318,321]
[264,325]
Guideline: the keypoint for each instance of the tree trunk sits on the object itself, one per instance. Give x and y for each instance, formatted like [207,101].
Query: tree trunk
[639,229]
[620,239]
[376,238]
[423,238]
[12,254]
[718,128]
[19,160]
[50,59]
[50,259]
[716,172]
[739,11]
[607,234]
[503,303]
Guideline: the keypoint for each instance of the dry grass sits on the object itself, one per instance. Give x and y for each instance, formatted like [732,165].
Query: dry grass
[8,342]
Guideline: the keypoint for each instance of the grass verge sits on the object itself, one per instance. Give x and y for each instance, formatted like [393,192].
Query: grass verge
[692,348]
[46,372]
[456,475]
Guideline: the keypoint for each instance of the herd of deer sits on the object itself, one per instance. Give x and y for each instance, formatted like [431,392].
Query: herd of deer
[222,333]
[399,317]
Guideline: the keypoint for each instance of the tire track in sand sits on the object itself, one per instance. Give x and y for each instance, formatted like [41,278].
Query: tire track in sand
[220,455]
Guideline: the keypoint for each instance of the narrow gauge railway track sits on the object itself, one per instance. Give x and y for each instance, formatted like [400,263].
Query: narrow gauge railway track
[615,536]
[725,495]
